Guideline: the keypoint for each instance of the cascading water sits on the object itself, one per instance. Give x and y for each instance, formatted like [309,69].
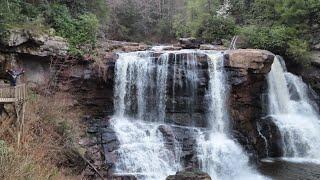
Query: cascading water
[294,114]
[140,99]
[142,150]
[219,155]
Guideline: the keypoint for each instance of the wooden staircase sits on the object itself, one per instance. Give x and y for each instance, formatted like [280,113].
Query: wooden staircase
[15,95]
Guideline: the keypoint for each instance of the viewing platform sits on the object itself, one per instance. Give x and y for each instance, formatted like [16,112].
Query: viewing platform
[15,96]
[12,94]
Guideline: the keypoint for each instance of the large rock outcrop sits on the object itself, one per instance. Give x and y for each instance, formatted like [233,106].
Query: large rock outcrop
[247,70]
[22,41]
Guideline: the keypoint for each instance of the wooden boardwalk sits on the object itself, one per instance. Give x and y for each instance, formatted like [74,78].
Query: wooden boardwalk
[15,95]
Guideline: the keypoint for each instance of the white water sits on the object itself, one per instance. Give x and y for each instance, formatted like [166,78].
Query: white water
[219,155]
[142,152]
[134,73]
[162,74]
[294,114]
[140,93]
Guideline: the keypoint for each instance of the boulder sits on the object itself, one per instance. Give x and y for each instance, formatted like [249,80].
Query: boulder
[120,46]
[315,58]
[22,41]
[247,70]
[250,60]
[212,47]
[15,37]
[166,48]
[189,43]
[192,174]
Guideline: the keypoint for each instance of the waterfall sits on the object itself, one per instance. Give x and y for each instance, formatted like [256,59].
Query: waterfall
[294,113]
[142,152]
[219,155]
[162,74]
[140,103]
[148,148]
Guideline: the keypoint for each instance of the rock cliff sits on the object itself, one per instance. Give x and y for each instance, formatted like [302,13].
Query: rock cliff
[91,85]
[247,70]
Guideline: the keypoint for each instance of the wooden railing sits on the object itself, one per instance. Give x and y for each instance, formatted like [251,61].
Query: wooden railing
[10,94]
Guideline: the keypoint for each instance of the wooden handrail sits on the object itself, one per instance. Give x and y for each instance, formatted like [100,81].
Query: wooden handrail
[16,93]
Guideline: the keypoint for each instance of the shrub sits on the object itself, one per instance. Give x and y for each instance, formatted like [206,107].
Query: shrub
[180,27]
[277,39]
[216,28]
[79,31]
[298,51]
[16,166]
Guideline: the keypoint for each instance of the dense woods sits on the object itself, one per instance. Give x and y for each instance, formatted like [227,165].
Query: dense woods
[286,27]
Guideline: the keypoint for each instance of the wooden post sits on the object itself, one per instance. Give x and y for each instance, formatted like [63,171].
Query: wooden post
[17,97]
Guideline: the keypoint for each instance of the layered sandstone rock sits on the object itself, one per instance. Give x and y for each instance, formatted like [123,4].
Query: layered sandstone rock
[23,41]
[191,174]
[247,70]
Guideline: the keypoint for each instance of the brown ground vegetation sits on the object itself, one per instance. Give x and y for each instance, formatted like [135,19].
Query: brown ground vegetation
[49,147]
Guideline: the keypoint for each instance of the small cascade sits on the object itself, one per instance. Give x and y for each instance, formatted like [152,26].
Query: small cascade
[142,152]
[219,155]
[162,74]
[140,103]
[264,139]
[218,114]
[294,113]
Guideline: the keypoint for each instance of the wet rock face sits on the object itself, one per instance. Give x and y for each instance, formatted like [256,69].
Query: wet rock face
[180,140]
[247,70]
[271,137]
[310,74]
[187,82]
[191,174]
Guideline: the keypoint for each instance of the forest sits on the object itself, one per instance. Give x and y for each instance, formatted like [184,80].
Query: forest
[286,27]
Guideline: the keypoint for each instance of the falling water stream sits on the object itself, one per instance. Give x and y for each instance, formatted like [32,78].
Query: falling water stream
[140,97]
[294,114]
[220,156]
[140,93]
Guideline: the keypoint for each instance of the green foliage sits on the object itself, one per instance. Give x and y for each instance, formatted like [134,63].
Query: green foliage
[81,32]
[61,20]
[286,27]
[201,20]
[299,12]
[127,22]
[277,39]
[298,51]
[181,27]
[216,28]
[10,12]
[71,20]
[164,30]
